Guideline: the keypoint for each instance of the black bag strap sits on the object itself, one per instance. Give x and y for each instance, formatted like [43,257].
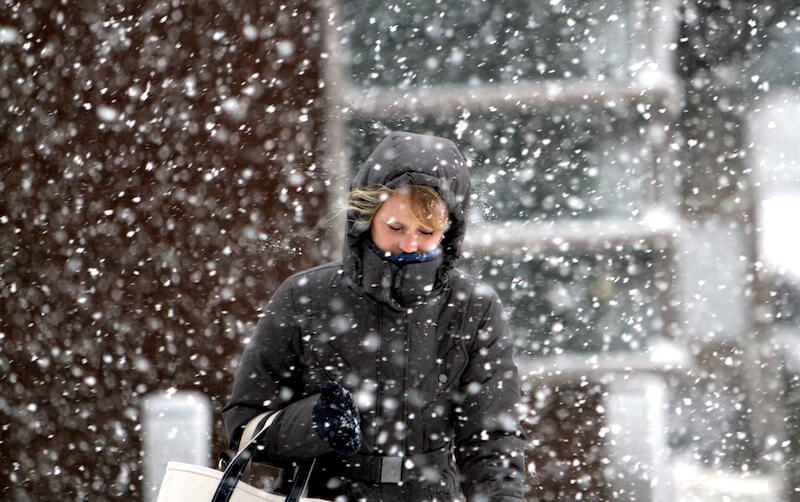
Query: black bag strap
[300,481]
[237,466]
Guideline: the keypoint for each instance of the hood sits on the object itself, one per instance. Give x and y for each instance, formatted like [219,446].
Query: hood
[405,158]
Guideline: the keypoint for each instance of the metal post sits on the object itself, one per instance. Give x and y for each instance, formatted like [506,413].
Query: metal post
[176,425]
[638,452]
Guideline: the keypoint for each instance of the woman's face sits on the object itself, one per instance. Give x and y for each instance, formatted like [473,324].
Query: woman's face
[395,230]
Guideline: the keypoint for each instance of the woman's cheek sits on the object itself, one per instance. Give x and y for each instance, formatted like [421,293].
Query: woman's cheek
[429,243]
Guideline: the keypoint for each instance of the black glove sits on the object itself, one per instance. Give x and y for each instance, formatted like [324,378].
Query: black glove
[336,419]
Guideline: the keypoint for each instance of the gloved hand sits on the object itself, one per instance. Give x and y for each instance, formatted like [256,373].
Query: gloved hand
[336,419]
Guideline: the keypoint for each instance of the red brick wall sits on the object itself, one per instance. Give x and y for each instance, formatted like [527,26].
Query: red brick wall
[143,150]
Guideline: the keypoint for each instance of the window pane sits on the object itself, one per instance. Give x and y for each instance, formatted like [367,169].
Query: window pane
[427,42]
[566,163]
[781,59]
[593,301]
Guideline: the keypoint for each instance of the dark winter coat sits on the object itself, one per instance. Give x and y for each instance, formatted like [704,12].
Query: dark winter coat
[424,348]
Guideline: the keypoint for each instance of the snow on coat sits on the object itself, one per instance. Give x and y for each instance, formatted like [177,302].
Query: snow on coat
[425,349]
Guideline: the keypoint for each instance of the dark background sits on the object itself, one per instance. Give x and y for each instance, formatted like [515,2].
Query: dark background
[136,253]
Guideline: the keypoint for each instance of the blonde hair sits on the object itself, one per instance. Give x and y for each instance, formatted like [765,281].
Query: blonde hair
[427,206]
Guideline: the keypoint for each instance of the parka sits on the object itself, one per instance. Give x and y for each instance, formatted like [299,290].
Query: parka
[424,348]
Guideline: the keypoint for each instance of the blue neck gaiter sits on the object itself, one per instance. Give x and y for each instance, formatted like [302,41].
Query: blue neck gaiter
[404,258]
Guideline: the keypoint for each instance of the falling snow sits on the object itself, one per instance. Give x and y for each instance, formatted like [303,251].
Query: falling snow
[166,165]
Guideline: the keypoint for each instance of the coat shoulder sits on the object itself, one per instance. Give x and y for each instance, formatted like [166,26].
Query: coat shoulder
[328,274]
[472,289]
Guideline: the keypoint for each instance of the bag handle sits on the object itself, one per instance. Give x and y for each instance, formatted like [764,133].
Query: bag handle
[252,427]
[237,466]
[248,433]
[301,481]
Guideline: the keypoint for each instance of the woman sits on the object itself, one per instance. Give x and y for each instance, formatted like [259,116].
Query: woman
[424,349]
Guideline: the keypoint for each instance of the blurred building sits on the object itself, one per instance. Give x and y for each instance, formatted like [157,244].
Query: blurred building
[776,172]
[165,166]
[614,212]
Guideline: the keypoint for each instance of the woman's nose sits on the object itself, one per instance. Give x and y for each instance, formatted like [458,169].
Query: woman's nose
[408,244]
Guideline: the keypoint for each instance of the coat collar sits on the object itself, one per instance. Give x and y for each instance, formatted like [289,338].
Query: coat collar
[399,286]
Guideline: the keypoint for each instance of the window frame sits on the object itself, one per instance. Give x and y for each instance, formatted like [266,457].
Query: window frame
[654,33]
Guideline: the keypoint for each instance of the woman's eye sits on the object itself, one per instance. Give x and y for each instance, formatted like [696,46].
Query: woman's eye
[396,229]
[425,232]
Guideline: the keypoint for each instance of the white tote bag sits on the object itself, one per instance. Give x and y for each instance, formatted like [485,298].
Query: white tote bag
[195,483]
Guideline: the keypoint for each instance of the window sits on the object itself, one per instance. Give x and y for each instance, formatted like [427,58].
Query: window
[560,107]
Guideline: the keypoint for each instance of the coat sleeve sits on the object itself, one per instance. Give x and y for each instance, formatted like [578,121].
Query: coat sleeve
[489,442]
[267,380]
